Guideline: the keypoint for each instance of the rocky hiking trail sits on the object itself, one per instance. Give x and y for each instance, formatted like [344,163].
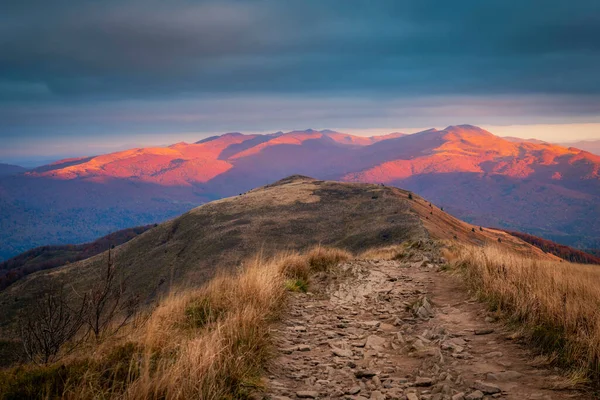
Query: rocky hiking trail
[378,329]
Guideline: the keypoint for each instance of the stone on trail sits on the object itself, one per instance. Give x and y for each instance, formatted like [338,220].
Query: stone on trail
[458,341]
[371,324]
[412,396]
[476,395]
[493,354]
[299,328]
[375,342]
[307,394]
[504,376]
[422,312]
[484,331]
[422,381]
[486,388]
[353,390]
[341,352]
[377,395]
[365,374]
[418,345]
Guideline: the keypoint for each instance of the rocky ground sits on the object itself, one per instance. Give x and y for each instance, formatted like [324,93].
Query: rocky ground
[401,330]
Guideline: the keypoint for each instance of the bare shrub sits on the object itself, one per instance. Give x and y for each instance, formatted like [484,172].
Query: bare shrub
[49,326]
[108,308]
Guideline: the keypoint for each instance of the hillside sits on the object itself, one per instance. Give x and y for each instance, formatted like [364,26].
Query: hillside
[559,250]
[48,257]
[482,178]
[8,169]
[384,315]
[292,214]
[593,146]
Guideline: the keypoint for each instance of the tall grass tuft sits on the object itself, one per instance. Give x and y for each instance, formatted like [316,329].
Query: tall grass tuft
[323,258]
[557,304]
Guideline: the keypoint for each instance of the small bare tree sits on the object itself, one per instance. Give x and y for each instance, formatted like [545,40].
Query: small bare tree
[107,302]
[50,325]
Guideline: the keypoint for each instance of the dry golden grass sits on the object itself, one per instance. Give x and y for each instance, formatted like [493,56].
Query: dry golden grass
[323,258]
[207,343]
[298,268]
[382,253]
[212,342]
[556,304]
[295,266]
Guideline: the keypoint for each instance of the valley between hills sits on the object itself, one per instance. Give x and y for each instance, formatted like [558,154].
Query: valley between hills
[475,175]
[307,288]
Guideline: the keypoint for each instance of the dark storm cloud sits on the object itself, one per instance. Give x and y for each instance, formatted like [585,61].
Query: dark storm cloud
[89,50]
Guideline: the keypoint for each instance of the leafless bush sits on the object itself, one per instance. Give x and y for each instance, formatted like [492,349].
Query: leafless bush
[50,325]
[108,307]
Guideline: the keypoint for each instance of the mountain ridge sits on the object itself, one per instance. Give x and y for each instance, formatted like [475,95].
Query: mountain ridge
[483,178]
[294,213]
[10,169]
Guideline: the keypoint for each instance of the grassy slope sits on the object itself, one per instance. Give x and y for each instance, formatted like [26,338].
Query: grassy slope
[554,304]
[443,226]
[48,257]
[291,215]
[209,342]
[559,250]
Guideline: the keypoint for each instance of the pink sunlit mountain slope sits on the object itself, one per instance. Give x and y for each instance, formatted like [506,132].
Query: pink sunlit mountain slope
[593,146]
[540,188]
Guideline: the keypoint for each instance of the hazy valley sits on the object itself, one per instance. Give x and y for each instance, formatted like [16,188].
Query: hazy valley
[473,174]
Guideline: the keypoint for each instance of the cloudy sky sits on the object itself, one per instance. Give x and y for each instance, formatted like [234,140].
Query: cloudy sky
[92,76]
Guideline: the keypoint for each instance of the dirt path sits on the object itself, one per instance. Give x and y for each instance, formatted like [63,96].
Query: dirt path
[400,330]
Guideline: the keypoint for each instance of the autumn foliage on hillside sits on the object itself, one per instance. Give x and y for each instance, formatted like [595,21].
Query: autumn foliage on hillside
[594,252]
[48,257]
[559,250]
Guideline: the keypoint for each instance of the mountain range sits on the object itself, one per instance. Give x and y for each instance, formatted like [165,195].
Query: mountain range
[593,146]
[536,187]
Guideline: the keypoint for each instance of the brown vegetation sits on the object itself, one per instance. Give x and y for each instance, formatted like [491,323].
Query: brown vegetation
[559,250]
[48,326]
[208,343]
[295,215]
[554,304]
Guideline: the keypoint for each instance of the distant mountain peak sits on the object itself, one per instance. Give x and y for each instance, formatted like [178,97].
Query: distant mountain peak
[464,126]
[293,178]
[208,139]
[430,130]
[468,128]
